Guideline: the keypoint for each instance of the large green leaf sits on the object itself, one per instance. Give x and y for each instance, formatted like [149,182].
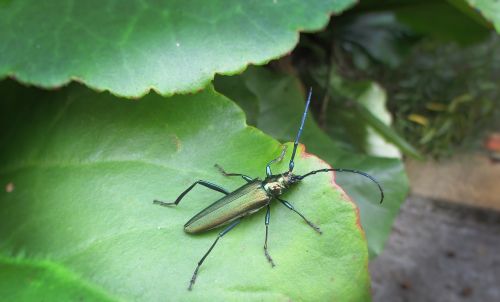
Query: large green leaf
[130,47]
[281,102]
[82,169]
[26,280]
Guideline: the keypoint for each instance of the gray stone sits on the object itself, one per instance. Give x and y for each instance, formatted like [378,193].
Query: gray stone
[439,252]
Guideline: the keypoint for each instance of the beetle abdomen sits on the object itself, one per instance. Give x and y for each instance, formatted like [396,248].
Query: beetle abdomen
[244,201]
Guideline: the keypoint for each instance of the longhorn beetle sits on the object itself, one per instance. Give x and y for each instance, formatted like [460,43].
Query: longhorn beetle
[250,198]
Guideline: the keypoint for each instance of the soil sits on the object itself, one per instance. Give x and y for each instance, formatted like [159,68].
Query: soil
[439,251]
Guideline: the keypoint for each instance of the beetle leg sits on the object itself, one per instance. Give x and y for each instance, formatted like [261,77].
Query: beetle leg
[277,159]
[245,177]
[201,182]
[288,205]
[268,218]
[224,232]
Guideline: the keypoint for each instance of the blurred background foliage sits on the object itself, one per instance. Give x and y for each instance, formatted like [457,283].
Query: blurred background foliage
[437,64]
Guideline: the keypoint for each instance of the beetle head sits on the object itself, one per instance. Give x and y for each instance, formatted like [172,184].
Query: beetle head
[289,178]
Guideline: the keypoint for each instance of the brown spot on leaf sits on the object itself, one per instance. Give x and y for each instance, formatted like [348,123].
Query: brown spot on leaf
[177,142]
[9,187]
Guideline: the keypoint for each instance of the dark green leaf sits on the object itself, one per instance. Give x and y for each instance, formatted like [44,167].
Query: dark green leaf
[442,21]
[376,34]
[450,20]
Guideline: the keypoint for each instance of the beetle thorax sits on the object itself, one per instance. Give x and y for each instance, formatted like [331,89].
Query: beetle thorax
[276,185]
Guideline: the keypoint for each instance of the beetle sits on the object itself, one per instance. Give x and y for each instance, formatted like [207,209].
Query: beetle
[250,198]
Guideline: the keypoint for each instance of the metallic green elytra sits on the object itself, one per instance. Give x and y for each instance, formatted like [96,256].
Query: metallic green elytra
[244,201]
[250,198]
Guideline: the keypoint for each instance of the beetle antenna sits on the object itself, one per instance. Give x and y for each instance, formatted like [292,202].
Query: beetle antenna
[300,177]
[296,143]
